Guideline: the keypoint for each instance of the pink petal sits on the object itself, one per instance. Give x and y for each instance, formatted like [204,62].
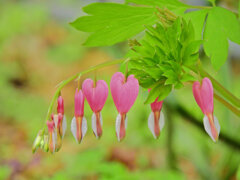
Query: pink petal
[124,93]
[60,106]
[207,95]
[96,96]
[203,95]
[156,105]
[79,103]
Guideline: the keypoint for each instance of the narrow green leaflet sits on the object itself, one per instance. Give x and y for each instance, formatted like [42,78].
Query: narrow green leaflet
[197,18]
[160,90]
[213,2]
[110,23]
[221,25]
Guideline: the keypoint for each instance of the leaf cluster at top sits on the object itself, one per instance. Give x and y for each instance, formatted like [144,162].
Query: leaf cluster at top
[110,23]
[161,58]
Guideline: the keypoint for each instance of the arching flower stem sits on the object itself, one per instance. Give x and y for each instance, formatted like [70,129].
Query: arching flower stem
[217,86]
[67,81]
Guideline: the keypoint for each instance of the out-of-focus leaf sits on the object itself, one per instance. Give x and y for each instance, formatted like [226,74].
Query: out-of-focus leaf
[221,25]
[110,23]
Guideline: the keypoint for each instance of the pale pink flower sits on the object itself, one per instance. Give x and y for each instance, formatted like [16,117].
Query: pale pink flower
[52,136]
[203,94]
[96,95]
[62,123]
[79,122]
[124,92]
[156,118]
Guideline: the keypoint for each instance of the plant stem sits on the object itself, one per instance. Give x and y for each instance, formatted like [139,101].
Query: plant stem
[201,7]
[228,140]
[65,82]
[217,86]
[228,105]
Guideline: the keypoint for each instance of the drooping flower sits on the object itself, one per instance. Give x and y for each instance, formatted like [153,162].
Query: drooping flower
[51,136]
[203,94]
[62,123]
[57,119]
[156,118]
[79,122]
[96,95]
[124,92]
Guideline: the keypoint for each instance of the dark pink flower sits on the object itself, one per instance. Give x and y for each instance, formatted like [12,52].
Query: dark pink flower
[124,92]
[203,94]
[96,95]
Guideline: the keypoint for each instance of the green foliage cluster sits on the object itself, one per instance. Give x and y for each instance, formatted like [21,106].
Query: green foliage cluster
[110,23]
[160,59]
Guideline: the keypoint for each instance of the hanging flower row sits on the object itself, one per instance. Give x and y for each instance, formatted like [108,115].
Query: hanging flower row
[124,91]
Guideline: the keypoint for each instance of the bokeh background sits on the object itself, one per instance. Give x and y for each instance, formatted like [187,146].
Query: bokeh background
[38,49]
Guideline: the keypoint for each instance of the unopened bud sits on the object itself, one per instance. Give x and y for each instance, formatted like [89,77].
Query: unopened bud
[46,146]
[37,141]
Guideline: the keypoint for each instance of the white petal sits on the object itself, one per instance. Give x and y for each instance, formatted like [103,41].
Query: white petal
[161,121]
[207,126]
[74,128]
[118,123]
[151,124]
[55,119]
[94,123]
[64,126]
[84,127]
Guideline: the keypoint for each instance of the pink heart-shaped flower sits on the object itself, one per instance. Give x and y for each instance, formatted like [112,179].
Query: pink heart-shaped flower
[203,94]
[96,96]
[124,92]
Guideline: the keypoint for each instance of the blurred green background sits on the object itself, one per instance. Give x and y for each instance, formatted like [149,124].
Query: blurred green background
[38,49]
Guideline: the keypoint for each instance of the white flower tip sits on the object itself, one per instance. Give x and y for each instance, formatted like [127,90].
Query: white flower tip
[121,126]
[97,123]
[83,130]
[152,122]
[212,128]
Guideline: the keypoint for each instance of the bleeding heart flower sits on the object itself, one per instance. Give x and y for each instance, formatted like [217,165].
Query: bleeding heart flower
[52,134]
[79,122]
[203,94]
[57,119]
[62,123]
[96,95]
[124,92]
[156,118]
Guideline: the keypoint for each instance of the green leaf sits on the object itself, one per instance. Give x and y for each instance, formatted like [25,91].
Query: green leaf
[110,23]
[190,55]
[221,25]
[160,90]
[187,77]
[197,18]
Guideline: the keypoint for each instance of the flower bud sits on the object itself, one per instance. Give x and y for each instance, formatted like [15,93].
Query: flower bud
[37,141]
